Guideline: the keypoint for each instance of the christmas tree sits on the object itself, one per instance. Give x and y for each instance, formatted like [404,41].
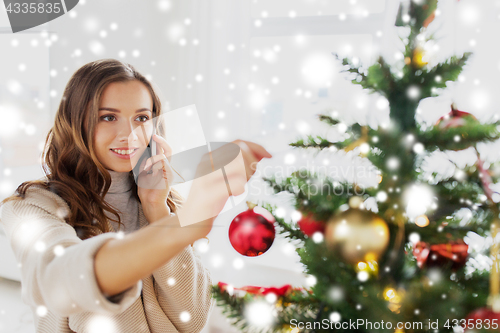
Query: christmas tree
[399,266]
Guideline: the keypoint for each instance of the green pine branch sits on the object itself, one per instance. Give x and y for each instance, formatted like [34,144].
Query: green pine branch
[319,142]
[328,119]
[452,192]
[283,227]
[320,197]
[458,138]
[297,304]
[378,79]
[418,13]
[232,307]
[448,70]
[443,72]
[435,233]
[313,142]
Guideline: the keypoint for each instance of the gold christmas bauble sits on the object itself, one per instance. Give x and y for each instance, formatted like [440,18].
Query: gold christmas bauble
[357,235]
[418,56]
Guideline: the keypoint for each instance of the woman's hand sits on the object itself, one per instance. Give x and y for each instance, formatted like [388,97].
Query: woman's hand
[208,194]
[156,175]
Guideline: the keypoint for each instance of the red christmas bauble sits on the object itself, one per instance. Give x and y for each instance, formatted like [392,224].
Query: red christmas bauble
[455,118]
[252,232]
[256,290]
[309,226]
[438,255]
[480,316]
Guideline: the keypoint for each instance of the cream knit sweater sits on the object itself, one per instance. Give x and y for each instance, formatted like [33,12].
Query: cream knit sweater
[58,280]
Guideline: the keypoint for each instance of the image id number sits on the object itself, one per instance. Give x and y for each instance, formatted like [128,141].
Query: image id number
[472,324]
[34,7]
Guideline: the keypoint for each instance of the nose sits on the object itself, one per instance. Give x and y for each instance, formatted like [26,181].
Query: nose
[127,133]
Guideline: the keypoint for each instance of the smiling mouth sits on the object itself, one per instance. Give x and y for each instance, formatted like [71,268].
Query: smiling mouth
[124,152]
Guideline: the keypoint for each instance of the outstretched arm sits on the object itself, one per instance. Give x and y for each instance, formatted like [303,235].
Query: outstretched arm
[184,291]
[69,275]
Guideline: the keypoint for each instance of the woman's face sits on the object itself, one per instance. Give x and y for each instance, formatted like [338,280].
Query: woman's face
[124,108]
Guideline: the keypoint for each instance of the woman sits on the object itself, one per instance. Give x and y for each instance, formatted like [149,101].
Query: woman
[78,273]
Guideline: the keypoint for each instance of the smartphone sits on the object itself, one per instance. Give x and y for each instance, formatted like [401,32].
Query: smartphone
[152,145]
[153,142]
[149,152]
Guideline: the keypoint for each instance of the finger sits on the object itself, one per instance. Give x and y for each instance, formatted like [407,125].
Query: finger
[158,166]
[249,159]
[164,167]
[162,164]
[162,143]
[153,160]
[248,156]
[155,168]
[168,173]
[250,164]
[256,149]
[147,164]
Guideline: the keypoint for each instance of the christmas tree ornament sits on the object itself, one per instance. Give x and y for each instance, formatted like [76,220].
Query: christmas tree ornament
[357,235]
[394,298]
[422,221]
[289,329]
[417,57]
[308,225]
[439,255]
[282,291]
[370,267]
[455,118]
[252,232]
[356,202]
[480,316]
[429,19]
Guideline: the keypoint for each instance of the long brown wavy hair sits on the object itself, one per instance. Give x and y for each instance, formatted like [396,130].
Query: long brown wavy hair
[71,167]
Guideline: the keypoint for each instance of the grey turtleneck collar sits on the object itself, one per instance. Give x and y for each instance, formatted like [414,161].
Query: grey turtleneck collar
[120,197]
[120,182]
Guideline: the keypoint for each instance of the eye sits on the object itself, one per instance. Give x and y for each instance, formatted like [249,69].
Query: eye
[103,117]
[147,118]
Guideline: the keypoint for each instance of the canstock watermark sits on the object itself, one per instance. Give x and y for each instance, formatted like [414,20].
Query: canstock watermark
[312,180]
[329,171]
[26,14]
[355,325]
